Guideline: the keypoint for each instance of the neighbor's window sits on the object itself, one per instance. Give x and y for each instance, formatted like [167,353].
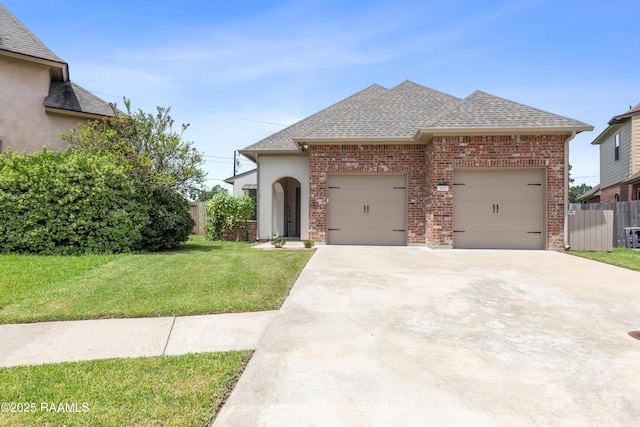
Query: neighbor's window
[617,155]
[637,193]
[617,197]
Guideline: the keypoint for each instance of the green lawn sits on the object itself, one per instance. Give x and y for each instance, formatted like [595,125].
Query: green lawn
[157,391]
[621,257]
[201,277]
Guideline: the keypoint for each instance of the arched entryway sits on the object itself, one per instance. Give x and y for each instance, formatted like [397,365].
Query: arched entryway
[286,207]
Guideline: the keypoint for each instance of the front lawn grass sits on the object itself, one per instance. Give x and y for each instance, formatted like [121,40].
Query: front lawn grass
[156,391]
[621,257]
[200,277]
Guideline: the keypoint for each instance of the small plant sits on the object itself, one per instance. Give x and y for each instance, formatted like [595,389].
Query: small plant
[278,242]
[308,243]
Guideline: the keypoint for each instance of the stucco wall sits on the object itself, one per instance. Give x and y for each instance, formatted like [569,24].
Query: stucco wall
[25,127]
[240,182]
[270,170]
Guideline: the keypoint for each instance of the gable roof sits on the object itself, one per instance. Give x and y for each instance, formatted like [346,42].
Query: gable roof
[394,114]
[615,123]
[283,140]
[232,179]
[17,41]
[411,112]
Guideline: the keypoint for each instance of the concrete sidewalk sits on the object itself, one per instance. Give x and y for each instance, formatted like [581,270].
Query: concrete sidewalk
[68,341]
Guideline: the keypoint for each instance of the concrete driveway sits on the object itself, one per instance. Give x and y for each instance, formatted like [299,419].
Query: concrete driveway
[408,336]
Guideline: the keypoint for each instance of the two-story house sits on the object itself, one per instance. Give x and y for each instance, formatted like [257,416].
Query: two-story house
[619,160]
[37,99]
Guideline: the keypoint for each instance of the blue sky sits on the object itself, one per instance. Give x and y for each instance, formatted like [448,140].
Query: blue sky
[238,71]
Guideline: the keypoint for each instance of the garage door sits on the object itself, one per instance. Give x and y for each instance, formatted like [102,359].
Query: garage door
[367,210]
[499,209]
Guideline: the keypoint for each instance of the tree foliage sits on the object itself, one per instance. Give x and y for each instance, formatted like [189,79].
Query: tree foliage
[206,195]
[157,154]
[576,190]
[226,214]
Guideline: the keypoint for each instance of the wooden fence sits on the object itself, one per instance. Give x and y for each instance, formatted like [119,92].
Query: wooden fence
[625,214]
[196,209]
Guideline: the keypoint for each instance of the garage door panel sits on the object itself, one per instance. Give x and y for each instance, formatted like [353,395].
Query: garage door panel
[502,177]
[500,240]
[497,224]
[499,209]
[497,193]
[367,209]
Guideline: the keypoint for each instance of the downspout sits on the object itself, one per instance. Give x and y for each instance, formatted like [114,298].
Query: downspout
[258,197]
[566,191]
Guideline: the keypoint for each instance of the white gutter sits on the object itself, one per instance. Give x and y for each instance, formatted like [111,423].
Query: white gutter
[566,191]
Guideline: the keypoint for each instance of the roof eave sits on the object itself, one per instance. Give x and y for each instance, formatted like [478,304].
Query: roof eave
[542,130]
[58,70]
[253,154]
[353,140]
[72,113]
[605,134]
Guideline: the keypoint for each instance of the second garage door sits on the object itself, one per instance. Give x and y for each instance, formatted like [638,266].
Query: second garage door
[499,209]
[367,210]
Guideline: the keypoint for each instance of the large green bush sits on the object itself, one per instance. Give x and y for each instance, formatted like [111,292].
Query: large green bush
[226,216]
[69,203]
[170,221]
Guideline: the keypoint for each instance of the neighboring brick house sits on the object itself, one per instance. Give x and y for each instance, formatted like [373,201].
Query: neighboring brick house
[37,99]
[619,160]
[414,166]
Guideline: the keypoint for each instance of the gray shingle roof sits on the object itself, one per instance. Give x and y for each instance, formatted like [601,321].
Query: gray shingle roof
[16,38]
[481,110]
[396,113]
[283,140]
[399,113]
[70,96]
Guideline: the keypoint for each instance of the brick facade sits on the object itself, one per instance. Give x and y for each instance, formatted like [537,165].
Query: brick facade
[241,235]
[430,212]
[627,192]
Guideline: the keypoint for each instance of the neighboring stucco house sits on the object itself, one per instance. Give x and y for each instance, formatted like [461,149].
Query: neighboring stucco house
[244,183]
[414,166]
[37,99]
[619,160]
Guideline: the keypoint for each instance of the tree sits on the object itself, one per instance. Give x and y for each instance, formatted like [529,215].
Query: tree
[576,190]
[206,195]
[147,142]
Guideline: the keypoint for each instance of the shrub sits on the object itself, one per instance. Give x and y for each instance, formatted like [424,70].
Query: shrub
[170,221]
[71,202]
[226,214]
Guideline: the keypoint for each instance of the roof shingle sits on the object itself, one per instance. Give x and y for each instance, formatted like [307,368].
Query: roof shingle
[409,109]
[16,38]
[70,96]
[482,110]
